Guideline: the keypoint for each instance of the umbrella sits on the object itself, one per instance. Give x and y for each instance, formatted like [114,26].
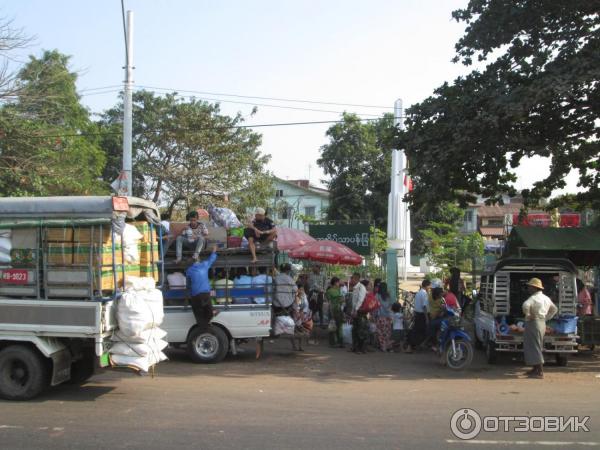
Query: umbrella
[290,239]
[329,252]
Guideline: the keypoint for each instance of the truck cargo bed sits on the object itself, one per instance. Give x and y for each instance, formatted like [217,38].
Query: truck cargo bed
[57,318]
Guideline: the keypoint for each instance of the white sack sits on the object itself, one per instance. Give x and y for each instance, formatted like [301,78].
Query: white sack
[131,239]
[142,338]
[176,280]
[5,247]
[142,363]
[136,349]
[347,333]
[139,283]
[139,310]
[284,325]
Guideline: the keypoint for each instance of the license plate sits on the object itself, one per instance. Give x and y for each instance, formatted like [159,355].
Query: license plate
[14,276]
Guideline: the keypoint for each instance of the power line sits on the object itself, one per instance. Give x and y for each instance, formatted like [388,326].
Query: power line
[163,130]
[267,98]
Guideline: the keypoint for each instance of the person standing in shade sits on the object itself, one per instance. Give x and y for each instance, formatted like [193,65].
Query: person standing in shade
[317,283]
[360,326]
[199,284]
[336,313]
[419,330]
[537,309]
[261,229]
[285,291]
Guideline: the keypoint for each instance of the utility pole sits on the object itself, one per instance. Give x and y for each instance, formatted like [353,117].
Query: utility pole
[128,103]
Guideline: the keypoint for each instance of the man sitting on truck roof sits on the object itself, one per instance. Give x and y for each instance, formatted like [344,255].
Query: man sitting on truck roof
[192,236]
[262,229]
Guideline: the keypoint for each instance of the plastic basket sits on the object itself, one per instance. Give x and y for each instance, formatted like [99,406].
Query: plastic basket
[234,242]
[565,325]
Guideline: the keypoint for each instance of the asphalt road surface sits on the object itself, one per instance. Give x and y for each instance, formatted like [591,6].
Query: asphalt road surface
[320,399]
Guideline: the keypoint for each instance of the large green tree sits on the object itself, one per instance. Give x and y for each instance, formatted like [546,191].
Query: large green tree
[48,144]
[189,152]
[357,159]
[535,93]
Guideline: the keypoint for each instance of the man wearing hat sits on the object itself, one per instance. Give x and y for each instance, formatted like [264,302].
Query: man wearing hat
[262,229]
[537,309]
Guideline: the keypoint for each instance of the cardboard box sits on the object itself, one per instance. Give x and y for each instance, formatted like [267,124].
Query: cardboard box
[64,234]
[60,254]
[104,280]
[146,231]
[150,271]
[88,235]
[149,253]
[216,236]
[102,254]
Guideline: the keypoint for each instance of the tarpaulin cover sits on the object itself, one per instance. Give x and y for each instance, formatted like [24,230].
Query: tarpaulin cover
[580,245]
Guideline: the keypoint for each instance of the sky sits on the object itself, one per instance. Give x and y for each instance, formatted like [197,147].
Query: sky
[352,52]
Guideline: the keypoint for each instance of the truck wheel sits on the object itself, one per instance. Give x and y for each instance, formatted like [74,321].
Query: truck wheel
[24,373]
[207,346]
[562,359]
[490,352]
[83,369]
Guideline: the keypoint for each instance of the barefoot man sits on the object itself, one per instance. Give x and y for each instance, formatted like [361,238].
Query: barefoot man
[262,229]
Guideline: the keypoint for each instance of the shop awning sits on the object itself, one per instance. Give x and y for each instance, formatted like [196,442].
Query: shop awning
[491,231]
[580,245]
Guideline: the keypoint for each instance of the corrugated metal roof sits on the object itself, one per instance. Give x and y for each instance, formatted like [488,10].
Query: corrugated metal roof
[491,231]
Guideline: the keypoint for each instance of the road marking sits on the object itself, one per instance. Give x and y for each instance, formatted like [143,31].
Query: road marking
[548,443]
[4,427]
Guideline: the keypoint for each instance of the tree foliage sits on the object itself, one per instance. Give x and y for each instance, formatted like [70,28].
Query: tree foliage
[536,95]
[446,246]
[48,144]
[188,151]
[358,160]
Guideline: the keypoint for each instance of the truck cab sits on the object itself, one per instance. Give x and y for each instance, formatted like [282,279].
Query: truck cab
[498,311]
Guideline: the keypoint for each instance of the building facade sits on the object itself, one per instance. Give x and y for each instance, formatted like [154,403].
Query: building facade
[295,201]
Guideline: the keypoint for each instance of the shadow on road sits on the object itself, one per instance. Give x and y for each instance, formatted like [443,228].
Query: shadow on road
[324,364]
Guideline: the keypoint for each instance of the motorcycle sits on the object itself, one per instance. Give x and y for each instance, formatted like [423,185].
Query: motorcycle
[454,343]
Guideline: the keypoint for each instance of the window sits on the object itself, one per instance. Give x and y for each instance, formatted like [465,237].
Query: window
[309,211]
[279,193]
[468,216]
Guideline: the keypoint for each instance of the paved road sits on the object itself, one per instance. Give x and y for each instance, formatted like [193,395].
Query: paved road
[322,398]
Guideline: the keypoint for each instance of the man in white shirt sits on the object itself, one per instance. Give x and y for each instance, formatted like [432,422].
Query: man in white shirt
[360,327]
[419,330]
[537,309]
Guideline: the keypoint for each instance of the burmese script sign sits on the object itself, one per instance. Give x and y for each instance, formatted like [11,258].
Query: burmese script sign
[356,237]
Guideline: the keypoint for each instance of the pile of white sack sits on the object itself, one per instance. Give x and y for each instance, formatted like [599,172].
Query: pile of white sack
[139,341]
[284,325]
[5,246]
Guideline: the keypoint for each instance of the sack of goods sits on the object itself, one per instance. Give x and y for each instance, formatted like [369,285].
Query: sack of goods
[5,246]
[223,217]
[284,325]
[347,333]
[139,341]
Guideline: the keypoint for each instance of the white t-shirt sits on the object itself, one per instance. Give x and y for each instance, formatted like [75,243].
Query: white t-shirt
[421,301]
[398,321]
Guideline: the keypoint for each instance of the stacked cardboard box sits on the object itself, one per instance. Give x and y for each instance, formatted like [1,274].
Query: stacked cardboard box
[78,246]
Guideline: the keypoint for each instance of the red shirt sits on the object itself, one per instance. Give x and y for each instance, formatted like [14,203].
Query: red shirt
[451,300]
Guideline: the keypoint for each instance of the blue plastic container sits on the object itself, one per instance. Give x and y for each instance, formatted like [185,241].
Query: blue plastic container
[566,324]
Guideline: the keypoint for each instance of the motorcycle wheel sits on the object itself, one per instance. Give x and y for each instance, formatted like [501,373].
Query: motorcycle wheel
[463,356]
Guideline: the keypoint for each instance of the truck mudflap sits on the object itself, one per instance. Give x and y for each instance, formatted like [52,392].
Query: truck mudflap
[51,348]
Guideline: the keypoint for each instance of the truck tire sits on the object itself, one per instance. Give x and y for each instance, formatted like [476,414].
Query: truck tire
[83,369]
[24,373]
[207,346]
[562,359]
[490,352]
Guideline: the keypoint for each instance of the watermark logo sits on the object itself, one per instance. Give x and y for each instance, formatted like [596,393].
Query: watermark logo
[467,423]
